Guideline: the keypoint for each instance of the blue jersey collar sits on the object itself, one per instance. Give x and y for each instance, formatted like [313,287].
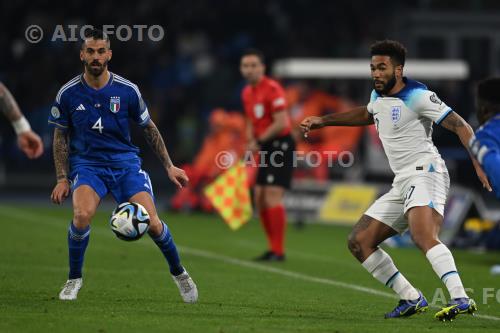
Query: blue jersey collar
[85,84]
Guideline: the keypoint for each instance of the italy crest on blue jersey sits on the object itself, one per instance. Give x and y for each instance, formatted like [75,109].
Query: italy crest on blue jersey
[97,121]
[114,104]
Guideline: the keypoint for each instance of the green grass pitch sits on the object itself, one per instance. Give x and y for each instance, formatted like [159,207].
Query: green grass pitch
[127,288]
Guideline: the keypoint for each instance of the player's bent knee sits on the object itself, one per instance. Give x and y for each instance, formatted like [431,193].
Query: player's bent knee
[155,225]
[424,243]
[354,242]
[82,217]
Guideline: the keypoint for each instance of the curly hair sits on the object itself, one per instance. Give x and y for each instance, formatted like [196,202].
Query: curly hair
[394,49]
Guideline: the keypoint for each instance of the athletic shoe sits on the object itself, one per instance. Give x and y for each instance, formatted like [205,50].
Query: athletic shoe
[270,256]
[187,287]
[70,289]
[455,307]
[406,308]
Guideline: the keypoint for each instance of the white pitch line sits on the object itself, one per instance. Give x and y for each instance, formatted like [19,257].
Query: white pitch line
[299,276]
[248,264]
[270,269]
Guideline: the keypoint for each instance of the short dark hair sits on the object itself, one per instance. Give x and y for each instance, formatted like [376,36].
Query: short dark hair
[254,52]
[488,100]
[96,34]
[391,48]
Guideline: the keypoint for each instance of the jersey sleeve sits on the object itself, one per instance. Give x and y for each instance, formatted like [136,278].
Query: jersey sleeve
[490,166]
[59,113]
[138,110]
[428,105]
[373,98]
[277,99]
[487,152]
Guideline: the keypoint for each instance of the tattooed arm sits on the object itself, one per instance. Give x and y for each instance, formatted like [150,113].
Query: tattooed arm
[61,154]
[28,141]
[460,127]
[8,104]
[155,141]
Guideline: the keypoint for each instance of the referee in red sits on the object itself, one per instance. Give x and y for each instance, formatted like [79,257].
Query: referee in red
[268,132]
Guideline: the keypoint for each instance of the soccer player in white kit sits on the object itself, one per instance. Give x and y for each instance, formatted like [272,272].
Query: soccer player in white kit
[403,112]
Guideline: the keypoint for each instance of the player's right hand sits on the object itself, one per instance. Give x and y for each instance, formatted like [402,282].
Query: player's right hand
[31,144]
[178,176]
[311,123]
[60,192]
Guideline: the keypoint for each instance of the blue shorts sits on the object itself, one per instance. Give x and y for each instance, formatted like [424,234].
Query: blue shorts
[123,183]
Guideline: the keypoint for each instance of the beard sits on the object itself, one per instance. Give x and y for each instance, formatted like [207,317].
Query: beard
[388,86]
[95,71]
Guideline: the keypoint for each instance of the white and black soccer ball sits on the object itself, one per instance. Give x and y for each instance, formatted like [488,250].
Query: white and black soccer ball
[129,221]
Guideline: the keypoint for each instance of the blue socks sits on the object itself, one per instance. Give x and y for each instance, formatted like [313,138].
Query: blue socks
[77,244]
[167,246]
[79,239]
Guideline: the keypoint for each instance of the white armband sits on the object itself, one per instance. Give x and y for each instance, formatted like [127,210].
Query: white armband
[21,125]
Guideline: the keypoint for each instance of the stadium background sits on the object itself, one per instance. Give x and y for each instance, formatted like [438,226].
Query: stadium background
[194,70]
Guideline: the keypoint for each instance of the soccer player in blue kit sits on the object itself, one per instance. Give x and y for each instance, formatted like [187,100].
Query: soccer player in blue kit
[93,155]
[485,145]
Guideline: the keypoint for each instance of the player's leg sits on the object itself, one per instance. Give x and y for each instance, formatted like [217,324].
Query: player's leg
[424,202]
[134,185]
[364,240]
[160,233]
[85,203]
[425,223]
[366,236]
[275,179]
[274,212]
[258,197]
[363,243]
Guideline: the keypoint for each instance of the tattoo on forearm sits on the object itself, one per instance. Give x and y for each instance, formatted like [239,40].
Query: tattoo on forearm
[8,104]
[61,153]
[457,124]
[155,141]
[453,121]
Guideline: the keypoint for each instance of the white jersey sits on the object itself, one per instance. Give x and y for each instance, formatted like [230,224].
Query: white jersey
[404,125]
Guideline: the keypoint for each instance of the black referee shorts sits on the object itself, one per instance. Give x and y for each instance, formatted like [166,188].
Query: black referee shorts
[276,162]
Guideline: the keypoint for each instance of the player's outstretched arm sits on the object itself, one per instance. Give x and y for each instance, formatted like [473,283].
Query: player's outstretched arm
[460,127]
[355,117]
[28,141]
[155,141]
[61,153]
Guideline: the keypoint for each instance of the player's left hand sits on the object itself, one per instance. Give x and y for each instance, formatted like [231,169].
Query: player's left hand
[178,176]
[482,176]
[31,144]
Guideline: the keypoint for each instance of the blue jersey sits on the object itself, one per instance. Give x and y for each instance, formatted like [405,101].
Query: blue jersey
[97,121]
[486,148]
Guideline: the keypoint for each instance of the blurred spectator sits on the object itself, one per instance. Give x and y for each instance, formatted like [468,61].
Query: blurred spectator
[330,141]
[226,134]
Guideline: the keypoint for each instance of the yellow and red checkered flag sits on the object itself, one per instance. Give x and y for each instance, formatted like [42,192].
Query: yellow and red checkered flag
[230,196]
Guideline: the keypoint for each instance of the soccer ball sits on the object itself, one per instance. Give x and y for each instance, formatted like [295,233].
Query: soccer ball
[129,221]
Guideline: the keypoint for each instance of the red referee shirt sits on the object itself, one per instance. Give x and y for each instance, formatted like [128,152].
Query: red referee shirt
[261,101]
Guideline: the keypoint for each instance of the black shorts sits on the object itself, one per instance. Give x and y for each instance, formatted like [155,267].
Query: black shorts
[276,164]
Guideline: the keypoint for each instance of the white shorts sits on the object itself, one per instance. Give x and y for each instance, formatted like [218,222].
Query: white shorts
[423,189]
